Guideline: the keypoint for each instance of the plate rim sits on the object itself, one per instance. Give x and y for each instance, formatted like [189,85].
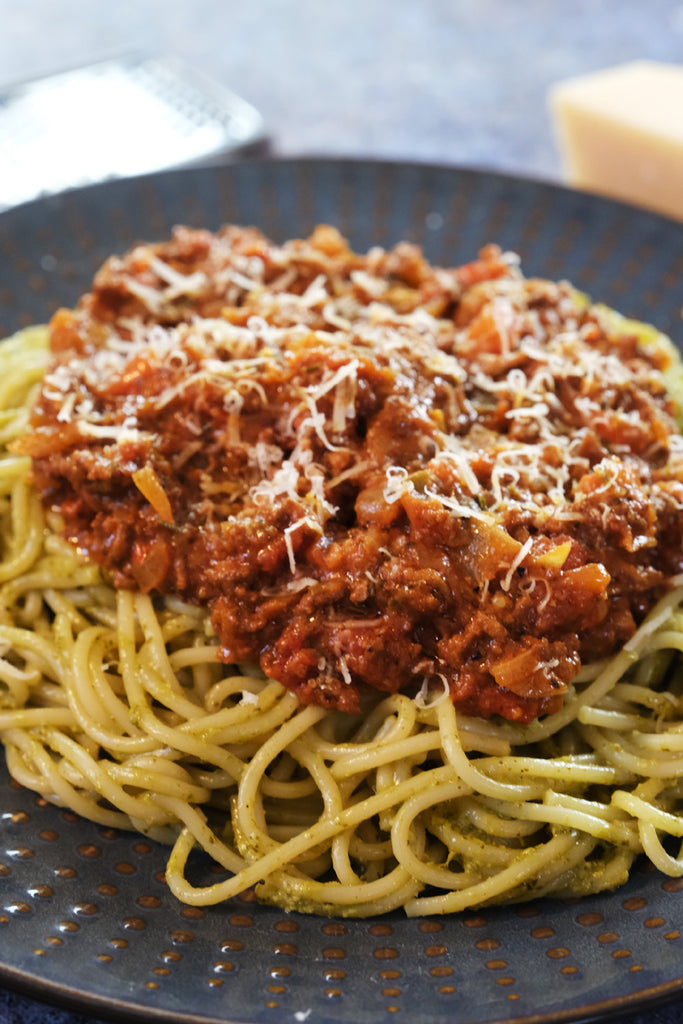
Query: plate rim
[483,170]
[31,985]
[35,988]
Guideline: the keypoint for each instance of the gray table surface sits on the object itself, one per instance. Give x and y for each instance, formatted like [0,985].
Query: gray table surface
[447,81]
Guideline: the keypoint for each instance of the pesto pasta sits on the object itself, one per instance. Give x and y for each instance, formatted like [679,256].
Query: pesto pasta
[116,705]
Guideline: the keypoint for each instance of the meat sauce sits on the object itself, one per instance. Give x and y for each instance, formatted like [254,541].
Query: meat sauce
[377,474]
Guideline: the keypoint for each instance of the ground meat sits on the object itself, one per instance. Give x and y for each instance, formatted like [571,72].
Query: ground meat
[375,473]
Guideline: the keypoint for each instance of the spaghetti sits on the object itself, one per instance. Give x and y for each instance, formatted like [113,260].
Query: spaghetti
[120,705]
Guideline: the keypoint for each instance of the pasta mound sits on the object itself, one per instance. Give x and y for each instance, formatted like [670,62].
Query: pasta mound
[120,705]
[375,473]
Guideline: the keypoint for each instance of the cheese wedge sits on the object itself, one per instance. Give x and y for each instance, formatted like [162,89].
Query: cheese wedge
[620,133]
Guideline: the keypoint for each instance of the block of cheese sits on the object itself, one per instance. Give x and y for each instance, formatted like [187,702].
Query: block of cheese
[620,133]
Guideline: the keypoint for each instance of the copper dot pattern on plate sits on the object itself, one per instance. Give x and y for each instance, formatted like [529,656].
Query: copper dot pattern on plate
[107,889]
[253,963]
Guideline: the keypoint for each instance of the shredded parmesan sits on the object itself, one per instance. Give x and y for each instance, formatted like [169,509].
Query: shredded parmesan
[424,699]
[394,456]
[515,564]
[289,530]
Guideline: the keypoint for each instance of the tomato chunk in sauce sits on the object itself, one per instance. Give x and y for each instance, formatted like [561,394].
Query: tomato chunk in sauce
[376,473]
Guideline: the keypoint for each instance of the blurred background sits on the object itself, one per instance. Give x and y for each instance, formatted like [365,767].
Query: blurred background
[448,81]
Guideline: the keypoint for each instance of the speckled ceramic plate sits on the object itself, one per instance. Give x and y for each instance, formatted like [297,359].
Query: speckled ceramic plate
[85,918]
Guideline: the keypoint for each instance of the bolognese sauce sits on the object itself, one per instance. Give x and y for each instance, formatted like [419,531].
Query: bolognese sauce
[378,474]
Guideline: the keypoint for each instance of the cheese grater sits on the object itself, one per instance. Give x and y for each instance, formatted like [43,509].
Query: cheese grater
[117,118]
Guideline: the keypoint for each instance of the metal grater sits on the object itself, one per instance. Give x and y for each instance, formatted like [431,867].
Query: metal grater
[112,119]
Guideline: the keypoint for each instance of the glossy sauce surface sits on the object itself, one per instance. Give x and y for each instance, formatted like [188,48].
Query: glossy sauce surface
[378,474]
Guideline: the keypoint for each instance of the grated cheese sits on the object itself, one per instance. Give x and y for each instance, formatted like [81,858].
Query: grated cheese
[427,432]
[424,693]
[515,564]
[289,530]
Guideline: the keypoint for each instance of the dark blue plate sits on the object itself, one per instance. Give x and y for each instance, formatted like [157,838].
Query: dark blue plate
[85,917]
